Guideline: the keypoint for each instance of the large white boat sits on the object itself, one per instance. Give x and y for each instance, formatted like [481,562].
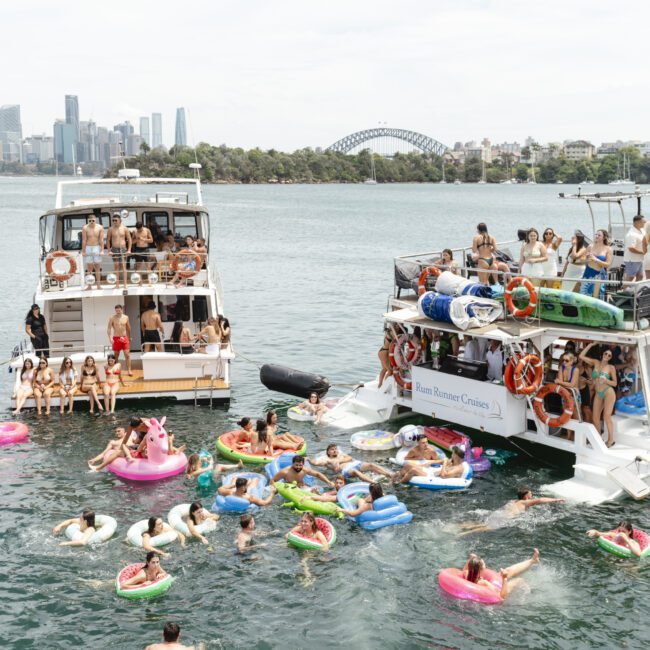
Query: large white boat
[77,316]
[457,391]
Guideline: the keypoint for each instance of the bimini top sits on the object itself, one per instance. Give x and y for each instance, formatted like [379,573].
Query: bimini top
[128,178]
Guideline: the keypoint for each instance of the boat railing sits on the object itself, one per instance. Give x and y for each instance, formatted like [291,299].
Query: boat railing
[64,351]
[142,268]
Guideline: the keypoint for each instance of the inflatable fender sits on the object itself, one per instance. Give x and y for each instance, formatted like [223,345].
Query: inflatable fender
[293,382]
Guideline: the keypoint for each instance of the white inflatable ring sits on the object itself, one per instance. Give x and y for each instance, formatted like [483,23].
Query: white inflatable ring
[105,528]
[300,415]
[177,516]
[134,535]
[375,440]
[400,457]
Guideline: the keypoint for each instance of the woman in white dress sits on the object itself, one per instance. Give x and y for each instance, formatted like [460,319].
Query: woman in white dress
[574,266]
[552,243]
[533,255]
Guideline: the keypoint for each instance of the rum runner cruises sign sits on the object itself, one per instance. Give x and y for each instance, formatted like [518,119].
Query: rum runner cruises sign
[476,404]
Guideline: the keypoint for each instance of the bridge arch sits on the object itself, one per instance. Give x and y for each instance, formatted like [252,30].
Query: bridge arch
[419,140]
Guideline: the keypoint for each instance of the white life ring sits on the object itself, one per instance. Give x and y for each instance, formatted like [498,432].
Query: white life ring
[177,517]
[105,528]
[134,535]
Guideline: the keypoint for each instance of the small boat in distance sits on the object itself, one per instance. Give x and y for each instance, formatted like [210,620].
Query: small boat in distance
[373,176]
[443,181]
[483,180]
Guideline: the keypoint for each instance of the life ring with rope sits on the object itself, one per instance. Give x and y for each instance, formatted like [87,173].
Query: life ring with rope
[397,356]
[186,272]
[532,297]
[520,376]
[568,405]
[49,265]
[422,281]
[509,373]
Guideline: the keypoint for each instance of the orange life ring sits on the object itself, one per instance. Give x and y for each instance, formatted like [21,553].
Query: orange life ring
[532,300]
[422,281]
[522,386]
[509,374]
[406,384]
[49,266]
[568,405]
[401,360]
[176,262]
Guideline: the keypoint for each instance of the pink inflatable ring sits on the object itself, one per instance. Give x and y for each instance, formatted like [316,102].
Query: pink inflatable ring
[158,464]
[453,582]
[11,432]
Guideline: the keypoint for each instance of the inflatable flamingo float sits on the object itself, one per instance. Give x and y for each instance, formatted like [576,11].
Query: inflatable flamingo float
[158,464]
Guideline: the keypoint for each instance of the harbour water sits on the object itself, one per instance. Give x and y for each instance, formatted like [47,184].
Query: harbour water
[306,272]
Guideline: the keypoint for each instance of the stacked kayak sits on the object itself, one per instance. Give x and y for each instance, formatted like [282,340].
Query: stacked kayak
[387,511]
[226,447]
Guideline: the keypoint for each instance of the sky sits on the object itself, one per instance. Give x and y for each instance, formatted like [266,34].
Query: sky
[292,74]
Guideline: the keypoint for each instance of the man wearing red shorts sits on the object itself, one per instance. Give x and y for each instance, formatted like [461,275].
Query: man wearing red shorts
[119,334]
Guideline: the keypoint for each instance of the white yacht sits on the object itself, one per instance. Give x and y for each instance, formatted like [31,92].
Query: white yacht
[457,391]
[77,316]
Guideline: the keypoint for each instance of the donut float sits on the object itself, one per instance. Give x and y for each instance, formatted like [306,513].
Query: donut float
[226,447]
[147,590]
[300,541]
[105,528]
[179,513]
[375,440]
[11,432]
[455,584]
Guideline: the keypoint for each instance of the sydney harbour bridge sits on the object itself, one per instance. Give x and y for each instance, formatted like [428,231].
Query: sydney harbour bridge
[387,141]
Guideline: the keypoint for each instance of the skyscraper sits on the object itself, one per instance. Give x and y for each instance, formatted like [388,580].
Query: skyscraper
[181,131]
[144,130]
[11,133]
[72,114]
[64,141]
[156,130]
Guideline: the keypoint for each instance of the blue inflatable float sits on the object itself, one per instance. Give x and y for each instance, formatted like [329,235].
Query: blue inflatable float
[282,461]
[387,511]
[632,404]
[238,505]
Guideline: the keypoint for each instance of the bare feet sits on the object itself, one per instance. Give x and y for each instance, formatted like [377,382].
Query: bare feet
[535,557]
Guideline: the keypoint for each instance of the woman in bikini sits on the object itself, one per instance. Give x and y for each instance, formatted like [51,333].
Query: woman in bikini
[113,382]
[280,441]
[90,383]
[213,333]
[67,384]
[568,375]
[552,243]
[260,440]
[599,259]
[245,434]
[604,379]
[307,527]
[446,262]
[150,572]
[43,385]
[483,248]
[26,387]
[314,406]
[386,370]
[574,266]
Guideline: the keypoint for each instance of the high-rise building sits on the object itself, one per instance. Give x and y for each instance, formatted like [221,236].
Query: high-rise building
[72,114]
[144,130]
[38,148]
[126,129]
[11,133]
[133,143]
[65,144]
[181,130]
[156,130]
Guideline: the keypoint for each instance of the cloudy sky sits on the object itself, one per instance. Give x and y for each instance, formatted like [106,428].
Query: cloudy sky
[294,73]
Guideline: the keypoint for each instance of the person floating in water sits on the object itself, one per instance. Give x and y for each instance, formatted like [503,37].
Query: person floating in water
[86,527]
[623,535]
[171,635]
[511,510]
[337,461]
[297,472]
[242,486]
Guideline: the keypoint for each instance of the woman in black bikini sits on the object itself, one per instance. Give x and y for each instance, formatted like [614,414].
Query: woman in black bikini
[483,248]
[383,357]
[90,383]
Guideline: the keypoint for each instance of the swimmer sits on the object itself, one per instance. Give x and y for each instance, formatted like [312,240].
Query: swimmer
[150,572]
[327,497]
[156,526]
[623,535]
[244,435]
[473,571]
[171,450]
[374,492]
[297,472]
[453,467]
[197,466]
[515,508]
[314,406]
[284,440]
[337,461]
[198,515]
[171,634]
[240,489]
[115,448]
[244,539]
[86,527]
[308,528]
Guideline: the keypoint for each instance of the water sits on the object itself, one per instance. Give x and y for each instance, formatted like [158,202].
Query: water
[306,272]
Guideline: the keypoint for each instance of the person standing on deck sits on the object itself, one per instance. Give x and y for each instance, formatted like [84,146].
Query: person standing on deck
[636,247]
[92,248]
[142,240]
[119,336]
[118,243]
[152,329]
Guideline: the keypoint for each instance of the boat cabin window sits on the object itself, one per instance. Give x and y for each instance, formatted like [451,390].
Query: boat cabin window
[72,226]
[157,222]
[200,309]
[173,308]
[184,225]
[129,217]
[47,232]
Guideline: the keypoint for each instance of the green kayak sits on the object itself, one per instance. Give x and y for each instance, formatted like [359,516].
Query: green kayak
[301,499]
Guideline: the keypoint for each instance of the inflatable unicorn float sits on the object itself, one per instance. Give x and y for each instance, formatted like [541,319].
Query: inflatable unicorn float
[159,463]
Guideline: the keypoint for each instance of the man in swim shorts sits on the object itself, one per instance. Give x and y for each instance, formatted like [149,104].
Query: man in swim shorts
[337,461]
[500,518]
[142,241]
[327,497]
[171,634]
[92,248]
[119,335]
[152,329]
[296,473]
[118,243]
[422,451]
[240,489]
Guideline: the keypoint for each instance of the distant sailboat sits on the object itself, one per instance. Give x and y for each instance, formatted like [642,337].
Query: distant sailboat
[483,175]
[373,176]
[624,177]
[443,181]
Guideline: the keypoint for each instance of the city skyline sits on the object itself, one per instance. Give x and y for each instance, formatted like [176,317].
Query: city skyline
[311,74]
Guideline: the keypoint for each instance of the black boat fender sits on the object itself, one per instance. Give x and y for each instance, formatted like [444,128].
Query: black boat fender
[293,382]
